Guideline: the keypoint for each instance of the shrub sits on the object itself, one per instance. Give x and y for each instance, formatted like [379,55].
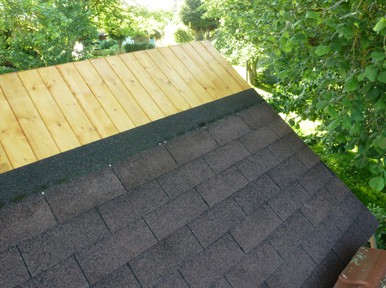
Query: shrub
[137,47]
[183,36]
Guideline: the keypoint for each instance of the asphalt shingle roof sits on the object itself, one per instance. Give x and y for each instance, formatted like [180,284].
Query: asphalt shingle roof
[222,197]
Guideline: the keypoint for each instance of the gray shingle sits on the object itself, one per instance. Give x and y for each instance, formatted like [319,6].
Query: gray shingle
[164,257]
[257,164]
[63,240]
[255,228]
[145,166]
[226,156]
[222,185]
[217,221]
[349,243]
[109,254]
[85,193]
[191,145]
[367,222]
[256,193]
[319,242]
[326,274]
[66,274]
[290,234]
[122,210]
[24,220]
[210,264]
[259,116]
[255,268]
[318,207]
[174,279]
[12,268]
[220,283]
[259,139]
[344,213]
[293,272]
[280,127]
[287,146]
[307,156]
[228,129]
[122,277]
[289,200]
[337,189]
[175,214]
[287,172]
[185,177]
[316,178]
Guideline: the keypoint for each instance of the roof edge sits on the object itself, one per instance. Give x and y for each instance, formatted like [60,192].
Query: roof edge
[38,176]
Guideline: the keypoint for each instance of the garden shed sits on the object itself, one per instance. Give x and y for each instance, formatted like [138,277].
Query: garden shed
[179,175]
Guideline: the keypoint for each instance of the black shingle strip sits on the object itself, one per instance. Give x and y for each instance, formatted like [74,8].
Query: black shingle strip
[164,257]
[213,223]
[259,139]
[174,279]
[71,199]
[367,222]
[287,146]
[255,268]
[211,263]
[191,145]
[66,274]
[307,157]
[259,116]
[61,241]
[287,172]
[290,234]
[226,156]
[256,193]
[175,214]
[294,272]
[123,210]
[40,175]
[255,228]
[12,268]
[337,189]
[185,177]
[122,277]
[222,185]
[110,253]
[316,178]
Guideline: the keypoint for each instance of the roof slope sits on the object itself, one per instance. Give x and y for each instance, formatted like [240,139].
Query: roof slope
[238,201]
[46,111]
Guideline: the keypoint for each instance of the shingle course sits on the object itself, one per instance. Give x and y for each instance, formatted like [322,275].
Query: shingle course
[12,268]
[228,129]
[259,139]
[122,277]
[287,172]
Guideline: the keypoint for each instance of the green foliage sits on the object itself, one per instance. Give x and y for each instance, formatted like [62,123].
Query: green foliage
[137,47]
[192,15]
[330,60]
[183,36]
[380,214]
[107,44]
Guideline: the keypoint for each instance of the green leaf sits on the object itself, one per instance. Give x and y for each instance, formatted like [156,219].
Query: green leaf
[331,110]
[380,142]
[346,32]
[381,24]
[321,105]
[313,15]
[378,56]
[379,105]
[351,85]
[382,77]
[322,50]
[371,73]
[377,184]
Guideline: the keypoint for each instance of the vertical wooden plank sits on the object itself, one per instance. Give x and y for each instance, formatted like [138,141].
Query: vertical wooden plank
[162,81]
[223,74]
[119,90]
[205,78]
[100,90]
[90,105]
[131,82]
[49,110]
[77,119]
[159,97]
[170,73]
[208,46]
[26,114]
[5,164]
[12,137]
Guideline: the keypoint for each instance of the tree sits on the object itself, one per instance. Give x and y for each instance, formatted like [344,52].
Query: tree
[38,33]
[192,15]
[330,59]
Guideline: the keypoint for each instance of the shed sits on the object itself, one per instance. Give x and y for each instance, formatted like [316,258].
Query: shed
[216,193]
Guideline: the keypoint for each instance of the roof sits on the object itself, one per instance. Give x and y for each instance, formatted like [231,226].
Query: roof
[221,195]
[50,110]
